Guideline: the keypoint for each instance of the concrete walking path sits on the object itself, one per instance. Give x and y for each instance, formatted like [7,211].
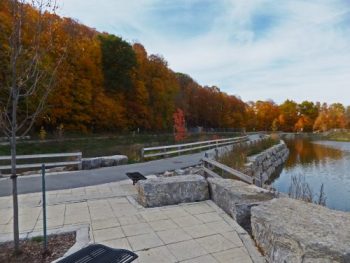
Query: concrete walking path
[59,181]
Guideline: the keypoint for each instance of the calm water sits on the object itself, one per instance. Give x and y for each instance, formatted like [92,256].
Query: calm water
[324,162]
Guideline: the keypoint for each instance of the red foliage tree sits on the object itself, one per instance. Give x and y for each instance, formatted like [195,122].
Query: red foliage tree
[179,125]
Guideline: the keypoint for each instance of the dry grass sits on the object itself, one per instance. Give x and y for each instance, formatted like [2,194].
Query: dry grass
[301,190]
[237,157]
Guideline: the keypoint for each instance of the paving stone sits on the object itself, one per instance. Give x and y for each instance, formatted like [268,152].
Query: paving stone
[199,231]
[76,207]
[8,228]
[186,221]
[215,243]
[145,241]
[154,215]
[159,255]
[101,213]
[160,225]
[208,217]
[50,223]
[76,218]
[98,203]
[173,235]
[29,211]
[120,243]
[123,209]
[233,237]
[233,255]
[202,259]
[175,212]
[108,234]
[117,200]
[130,220]
[200,208]
[5,216]
[220,226]
[54,211]
[137,229]
[105,223]
[186,250]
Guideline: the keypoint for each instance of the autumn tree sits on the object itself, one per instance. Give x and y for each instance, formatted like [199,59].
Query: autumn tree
[337,117]
[347,116]
[288,115]
[266,113]
[331,117]
[138,99]
[29,77]
[308,112]
[251,118]
[118,63]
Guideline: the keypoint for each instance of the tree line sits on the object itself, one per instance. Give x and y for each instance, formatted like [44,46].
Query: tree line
[105,84]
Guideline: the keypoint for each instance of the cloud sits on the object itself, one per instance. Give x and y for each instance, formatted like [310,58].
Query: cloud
[257,49]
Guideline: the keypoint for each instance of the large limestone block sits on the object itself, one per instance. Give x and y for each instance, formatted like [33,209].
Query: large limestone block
[293,231]
[172,190]
[236,198]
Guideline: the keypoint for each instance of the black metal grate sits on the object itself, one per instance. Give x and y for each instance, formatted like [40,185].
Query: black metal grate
[101,254]
[135,177]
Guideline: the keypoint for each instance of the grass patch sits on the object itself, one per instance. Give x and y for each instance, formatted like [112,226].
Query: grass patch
[238,156]
[339,136]
[93,146]
[38,239]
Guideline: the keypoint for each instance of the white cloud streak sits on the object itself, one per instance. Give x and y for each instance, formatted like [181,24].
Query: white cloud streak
[303,54]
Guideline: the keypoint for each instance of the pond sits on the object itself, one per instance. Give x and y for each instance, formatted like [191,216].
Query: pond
[321,162]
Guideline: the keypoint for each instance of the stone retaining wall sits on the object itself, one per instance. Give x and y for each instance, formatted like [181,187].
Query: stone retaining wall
[263,165]
[103,161]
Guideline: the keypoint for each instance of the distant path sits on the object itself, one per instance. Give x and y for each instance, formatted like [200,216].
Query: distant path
[32,184]
[83,178]
[339,145]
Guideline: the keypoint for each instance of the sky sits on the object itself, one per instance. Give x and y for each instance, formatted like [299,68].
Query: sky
[255,49]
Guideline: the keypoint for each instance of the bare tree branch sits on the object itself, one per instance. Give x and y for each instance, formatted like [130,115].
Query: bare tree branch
[28,79]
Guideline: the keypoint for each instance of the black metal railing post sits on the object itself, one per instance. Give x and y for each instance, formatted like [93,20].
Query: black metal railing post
[44,205]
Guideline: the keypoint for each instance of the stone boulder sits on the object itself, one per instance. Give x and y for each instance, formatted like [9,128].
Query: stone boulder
[236,198]
[103,161]
[292,231]
[172,190]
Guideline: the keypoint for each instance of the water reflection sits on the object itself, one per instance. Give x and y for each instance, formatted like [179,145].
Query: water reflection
[320,163]
[303,151]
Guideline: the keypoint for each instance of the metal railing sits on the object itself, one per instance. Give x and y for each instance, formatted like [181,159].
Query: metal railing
[187,147]
[77,161]
[209,164]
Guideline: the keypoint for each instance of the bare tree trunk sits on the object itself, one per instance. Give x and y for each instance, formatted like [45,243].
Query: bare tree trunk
[24,77]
